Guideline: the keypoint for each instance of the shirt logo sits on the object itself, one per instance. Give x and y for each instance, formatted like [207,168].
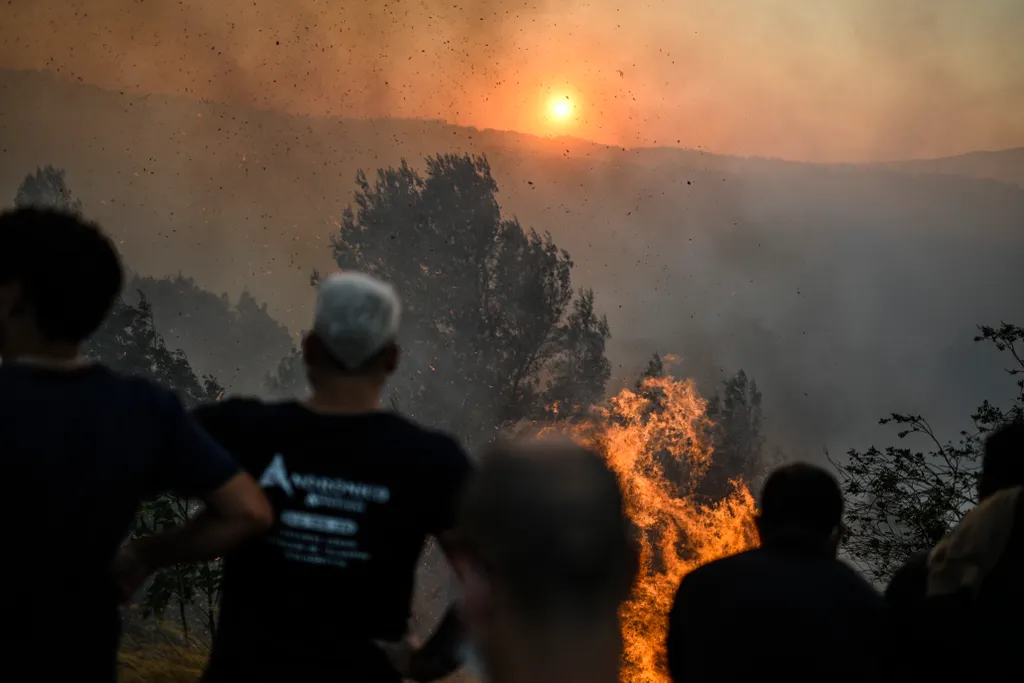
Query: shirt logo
[321,490]
[277,475]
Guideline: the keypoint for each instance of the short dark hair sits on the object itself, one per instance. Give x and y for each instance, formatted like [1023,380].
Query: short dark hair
[69,271]
[802,498]
[547,523]
[1002,465]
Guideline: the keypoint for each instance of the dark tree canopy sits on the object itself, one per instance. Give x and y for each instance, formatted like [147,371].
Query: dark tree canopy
[129,343]
[238,341]
[902,500]
[47,188]
[492,329]
[738,438]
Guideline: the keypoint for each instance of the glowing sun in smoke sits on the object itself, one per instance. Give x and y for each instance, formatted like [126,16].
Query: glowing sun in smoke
[561,108]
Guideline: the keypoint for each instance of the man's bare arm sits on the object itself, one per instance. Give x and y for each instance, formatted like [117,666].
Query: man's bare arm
[234,513]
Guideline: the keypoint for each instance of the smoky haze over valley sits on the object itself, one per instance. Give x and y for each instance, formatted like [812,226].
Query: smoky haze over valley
[846,291]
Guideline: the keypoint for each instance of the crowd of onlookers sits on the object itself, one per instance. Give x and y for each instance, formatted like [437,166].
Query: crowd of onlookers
[321,507]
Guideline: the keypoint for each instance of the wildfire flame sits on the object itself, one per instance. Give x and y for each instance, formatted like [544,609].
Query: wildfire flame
[657,439]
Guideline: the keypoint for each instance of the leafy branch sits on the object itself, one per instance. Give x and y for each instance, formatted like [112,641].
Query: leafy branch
[902,500]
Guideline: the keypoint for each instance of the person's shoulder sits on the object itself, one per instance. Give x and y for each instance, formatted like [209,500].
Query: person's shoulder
[235,406]
[434,452]
[916,564]
[424,439]
[909,582]
[713,571]
[855,584]
[707,580]
[236,417]
[136,389]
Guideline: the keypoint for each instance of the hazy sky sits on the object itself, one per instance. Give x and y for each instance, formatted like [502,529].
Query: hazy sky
[804,79]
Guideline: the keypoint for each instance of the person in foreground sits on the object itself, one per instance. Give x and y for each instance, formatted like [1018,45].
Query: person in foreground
[785,609]
[83,447]
[973,575]
[1000,512]
[356,491]
[545,558]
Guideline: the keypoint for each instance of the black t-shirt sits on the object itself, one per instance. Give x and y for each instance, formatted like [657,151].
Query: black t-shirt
[355,497]
[81,449]
[768,614]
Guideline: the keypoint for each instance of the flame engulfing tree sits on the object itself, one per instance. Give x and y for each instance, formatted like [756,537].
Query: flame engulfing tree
[901,501]
[492,329]
[641,434]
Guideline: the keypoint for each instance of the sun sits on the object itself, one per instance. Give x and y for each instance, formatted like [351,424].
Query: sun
[561,108]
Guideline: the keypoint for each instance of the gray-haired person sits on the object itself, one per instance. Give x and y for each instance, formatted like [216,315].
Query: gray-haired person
[356,490]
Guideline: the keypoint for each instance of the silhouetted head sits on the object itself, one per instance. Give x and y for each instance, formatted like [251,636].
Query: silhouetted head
[1002,466]
[59,277]
[801,509]
[545,553]
[354,330]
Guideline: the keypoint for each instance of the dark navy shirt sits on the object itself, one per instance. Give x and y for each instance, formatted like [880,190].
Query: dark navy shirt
[81,449]
[775,614]
[354,497]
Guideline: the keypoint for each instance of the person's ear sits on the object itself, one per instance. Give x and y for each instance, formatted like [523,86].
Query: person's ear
[390,355]
[474,587]
[306,346]
[836,537]
[314,354]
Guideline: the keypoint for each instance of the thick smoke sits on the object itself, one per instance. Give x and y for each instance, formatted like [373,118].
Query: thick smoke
[847,80]
[844,292]
[340,58]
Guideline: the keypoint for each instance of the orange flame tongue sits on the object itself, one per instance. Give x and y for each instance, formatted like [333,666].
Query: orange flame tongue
[664,423]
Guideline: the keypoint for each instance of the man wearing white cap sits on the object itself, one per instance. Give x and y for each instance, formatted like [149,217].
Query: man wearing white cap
[326,593]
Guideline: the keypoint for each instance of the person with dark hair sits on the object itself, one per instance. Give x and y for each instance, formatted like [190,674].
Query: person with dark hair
[803,607]
[1002,465]
[83,447]
[545,558]
[356,491]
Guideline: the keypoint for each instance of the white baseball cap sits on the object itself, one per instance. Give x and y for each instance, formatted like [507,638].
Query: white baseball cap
[356,316]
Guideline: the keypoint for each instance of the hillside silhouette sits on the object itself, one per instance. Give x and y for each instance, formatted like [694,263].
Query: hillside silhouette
[842,289]
[1003,165]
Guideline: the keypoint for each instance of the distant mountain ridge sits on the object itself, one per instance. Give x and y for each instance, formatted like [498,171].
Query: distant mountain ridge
[1003,165]
[845,290]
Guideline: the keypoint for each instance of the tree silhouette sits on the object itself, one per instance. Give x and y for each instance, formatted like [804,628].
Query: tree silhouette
[238,340]
[902,501]
[288,379]
[128,343]
[46,188]
[492,331]
[739,442]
